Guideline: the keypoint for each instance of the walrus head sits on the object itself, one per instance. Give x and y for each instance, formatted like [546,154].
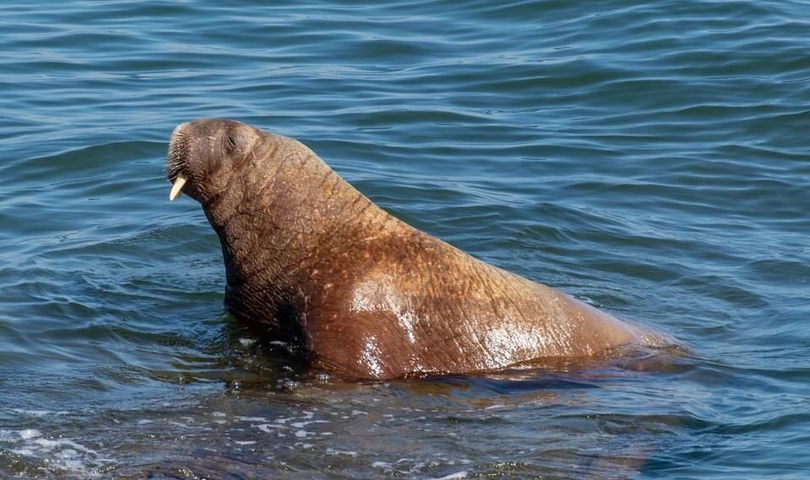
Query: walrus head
[274,205]
[205,154]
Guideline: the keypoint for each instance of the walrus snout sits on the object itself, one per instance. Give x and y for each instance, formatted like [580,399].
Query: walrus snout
[178,152]
[198,141]
[204,152]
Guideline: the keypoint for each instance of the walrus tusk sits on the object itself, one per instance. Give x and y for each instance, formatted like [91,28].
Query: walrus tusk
[177,187]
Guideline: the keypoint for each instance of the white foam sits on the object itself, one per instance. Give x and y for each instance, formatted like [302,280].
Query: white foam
[307,422]
[269,427]
[454,476]
[332,451]
[251,419]
[60,453]
[29,433]
[37,413]
[50,445]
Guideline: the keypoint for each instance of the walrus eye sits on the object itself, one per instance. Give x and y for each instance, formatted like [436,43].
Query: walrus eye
[231,142]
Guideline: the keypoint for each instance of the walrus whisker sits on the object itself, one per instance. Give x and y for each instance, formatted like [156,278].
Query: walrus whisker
[178,151]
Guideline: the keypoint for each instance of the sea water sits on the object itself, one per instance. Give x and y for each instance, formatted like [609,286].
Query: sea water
[649,158]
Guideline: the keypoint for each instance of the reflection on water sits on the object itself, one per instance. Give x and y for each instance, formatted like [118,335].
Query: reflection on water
[438,428]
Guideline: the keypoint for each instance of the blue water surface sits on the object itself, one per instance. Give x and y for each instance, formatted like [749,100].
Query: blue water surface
[650,158]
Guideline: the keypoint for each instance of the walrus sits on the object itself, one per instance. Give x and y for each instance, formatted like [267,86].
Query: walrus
[364,294]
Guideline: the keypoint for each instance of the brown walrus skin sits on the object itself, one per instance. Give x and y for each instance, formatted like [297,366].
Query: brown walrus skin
[368,296]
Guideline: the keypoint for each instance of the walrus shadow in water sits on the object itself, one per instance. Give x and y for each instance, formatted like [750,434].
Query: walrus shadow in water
[255,359]
[313,261]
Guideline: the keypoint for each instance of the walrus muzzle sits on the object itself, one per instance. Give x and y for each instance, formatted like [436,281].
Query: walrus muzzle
[177,155]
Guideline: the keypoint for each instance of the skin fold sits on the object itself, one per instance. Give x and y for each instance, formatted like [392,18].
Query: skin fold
[366,295]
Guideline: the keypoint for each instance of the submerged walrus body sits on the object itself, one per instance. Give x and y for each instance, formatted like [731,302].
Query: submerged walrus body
[367,295]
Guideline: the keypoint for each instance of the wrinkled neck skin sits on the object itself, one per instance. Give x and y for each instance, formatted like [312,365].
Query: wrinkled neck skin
[286,205]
